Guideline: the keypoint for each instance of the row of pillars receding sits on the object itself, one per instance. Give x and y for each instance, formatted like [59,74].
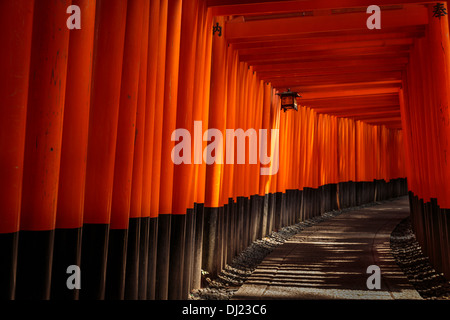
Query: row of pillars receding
[205,239]
[86,175]
[424,102]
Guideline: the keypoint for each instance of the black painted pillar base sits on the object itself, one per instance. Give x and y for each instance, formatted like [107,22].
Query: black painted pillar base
[220,241]
[66,252]
[209,240]
[116,264]
[132,266]
[271,213]
[163,256]
[198,246]
[247,222]
[278,211]
[8,252]
[143,249]
[176,259]
[264,216]
[94,249]
[231,235]
[151,250]
[240,214]
[188,254]
[253,218]
[288,208]
[306,210]
[34,265]
[334,197]
[431,225]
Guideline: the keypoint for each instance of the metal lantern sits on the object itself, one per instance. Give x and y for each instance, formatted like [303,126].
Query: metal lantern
[288,100]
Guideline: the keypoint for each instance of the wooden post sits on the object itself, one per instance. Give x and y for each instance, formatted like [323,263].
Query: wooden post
[123,164]
[48,71]
[72,177]
[16,21]
[136,273]
[182,200]
[105,100]
[167,166]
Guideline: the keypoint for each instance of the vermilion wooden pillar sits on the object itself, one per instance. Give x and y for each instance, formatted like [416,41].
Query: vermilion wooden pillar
[157,147]
[441,36]
[48,69]
[217,118]
[200,113]
[106,83]
[149,218]
[167,166]
[182,201]
[70,207]
[136,274]
[16,21]
[229,192]
[123,164]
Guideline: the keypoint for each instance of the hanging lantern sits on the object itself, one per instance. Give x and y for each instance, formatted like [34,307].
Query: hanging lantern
[288,100]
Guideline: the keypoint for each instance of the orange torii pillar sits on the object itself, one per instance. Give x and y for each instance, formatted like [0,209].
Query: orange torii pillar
[292,169]
[256,172]
[217,118]
[181,242]
[429,130]
[16,21]
[281,176]
[252,168]
[266,181]
[136,272]
[201,113]
[225,179]
[229,193]
[48,69]
[275,154]
[164,253]
[224,200]
[440,221]
[154,191]
[152,149]
[72,177]
[123,164]
[264,140]
[238,172]
[302,160]
[248,106]
[103,119]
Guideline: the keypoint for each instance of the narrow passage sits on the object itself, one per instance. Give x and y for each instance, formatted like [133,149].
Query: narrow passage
[330,260]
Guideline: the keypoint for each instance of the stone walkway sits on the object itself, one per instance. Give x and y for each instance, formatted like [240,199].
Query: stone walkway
[330,260]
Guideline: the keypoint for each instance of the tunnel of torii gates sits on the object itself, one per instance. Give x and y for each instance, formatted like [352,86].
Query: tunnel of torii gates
[89,186]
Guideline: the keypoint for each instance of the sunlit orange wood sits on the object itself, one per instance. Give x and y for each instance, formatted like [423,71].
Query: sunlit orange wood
[353,21]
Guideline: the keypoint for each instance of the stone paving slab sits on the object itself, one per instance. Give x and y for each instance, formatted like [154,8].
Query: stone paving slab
[330,260]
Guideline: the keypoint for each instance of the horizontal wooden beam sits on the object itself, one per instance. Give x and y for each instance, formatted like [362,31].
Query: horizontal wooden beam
[346,78]
[333,23]
[348,86]
[349,93]
[274,75]
[349,102]
[299,46]
[324,54]
[354,110]
[382,120]
[373,115]
[252,7]
[328,109]
[348,62]
[386,99]
[360,37]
